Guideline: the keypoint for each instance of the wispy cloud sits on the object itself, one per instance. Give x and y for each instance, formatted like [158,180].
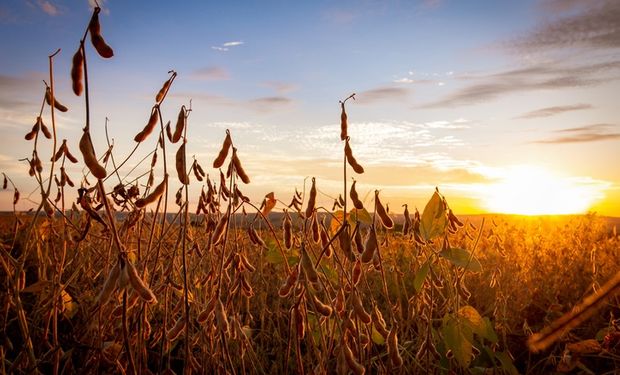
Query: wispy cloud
[227,45]
[552,111]
[260,104]
[550,75]
[588,133]
[380,94]
[233,44]
[211,73]
[281,87]
[101,4]
[270,103]
[595,25]
[48,8]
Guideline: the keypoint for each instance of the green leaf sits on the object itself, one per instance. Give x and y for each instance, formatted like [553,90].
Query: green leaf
[359,215]
[461,258]
[420,276]
[434,220]
[458,338]
[489,333]
[470,317]
[506,361]
[376,337]
[354,215]
[274,256]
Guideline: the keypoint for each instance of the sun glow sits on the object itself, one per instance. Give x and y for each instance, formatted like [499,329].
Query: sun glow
[529,190]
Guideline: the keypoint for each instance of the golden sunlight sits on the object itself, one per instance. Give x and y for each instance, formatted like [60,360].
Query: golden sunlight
[531,190]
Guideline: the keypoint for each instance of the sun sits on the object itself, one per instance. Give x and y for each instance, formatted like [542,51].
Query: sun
[531,190]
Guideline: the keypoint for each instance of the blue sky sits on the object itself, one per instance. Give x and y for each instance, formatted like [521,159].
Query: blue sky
[460,95]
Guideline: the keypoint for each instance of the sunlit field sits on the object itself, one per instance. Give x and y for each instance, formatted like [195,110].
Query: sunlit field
[177,271]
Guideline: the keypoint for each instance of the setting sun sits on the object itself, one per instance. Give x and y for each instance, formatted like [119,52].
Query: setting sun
[531,190]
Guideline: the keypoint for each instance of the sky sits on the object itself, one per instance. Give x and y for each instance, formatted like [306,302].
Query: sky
[505,106]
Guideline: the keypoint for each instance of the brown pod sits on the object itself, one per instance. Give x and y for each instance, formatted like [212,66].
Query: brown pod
[150,125]
[196,173]
[286,288]
[5,183]
[311,199]
[164,89]
[67,179]
[48,208]
[300,322]
[392,346]
[355,198]
[351,159]
[46,130]
[287,228]
[200,170]
[180,165]
[69,155]
[316,236]
[239,168]
[60,152]
[358,308]
[37,163]
[379,322]
[357,239]
[77,72]
[220,316]
[218,234]
[57,105]
[30,135]
[371,245]
[321,307]
[343,123]
[407,223]
[308,266]
[385,218]
[357,272]
[109,285]
[176,329]
[88,152]
[15,197]
[159,190]
[138,284]
[325,243]
[345,243]
[353,364]
[219,160]
[35,129]
[103,49]
[97,40]
[223,188]
[178,130]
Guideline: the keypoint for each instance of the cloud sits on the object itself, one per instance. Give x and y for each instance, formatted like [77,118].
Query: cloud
[260,104]
[380,94]
[269,103]
[281,87]
[588,133]
[210,73]
[542,76]
[551,111]
[48,8]
[101,3]
[224,47]
[232,44]
[595,25]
